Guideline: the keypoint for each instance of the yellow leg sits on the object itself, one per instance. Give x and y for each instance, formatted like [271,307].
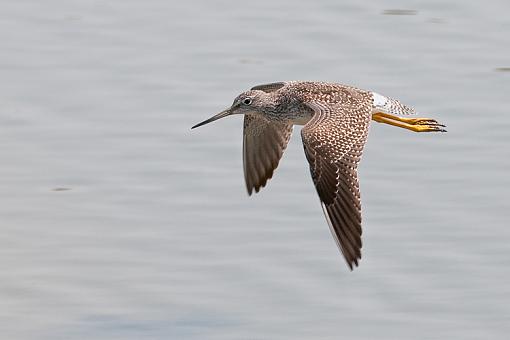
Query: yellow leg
[412,121]
[413,124]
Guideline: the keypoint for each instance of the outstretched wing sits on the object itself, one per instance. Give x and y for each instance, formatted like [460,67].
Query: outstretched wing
[263,145]
[333,141]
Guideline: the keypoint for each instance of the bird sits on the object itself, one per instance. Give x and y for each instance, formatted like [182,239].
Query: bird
[335,120]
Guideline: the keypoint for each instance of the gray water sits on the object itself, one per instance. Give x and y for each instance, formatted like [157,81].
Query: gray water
[118,222]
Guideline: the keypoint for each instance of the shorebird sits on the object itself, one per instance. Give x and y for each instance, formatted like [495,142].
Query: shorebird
[336,119]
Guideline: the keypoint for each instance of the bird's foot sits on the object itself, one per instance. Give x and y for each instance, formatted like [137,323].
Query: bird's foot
[421,121]
[427,127]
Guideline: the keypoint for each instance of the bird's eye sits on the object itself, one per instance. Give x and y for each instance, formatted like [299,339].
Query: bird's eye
[247,101]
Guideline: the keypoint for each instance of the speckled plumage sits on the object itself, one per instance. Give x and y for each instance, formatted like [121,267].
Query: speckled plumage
[336,119]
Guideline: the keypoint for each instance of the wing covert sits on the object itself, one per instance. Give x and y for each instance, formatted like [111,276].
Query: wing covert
[271,87]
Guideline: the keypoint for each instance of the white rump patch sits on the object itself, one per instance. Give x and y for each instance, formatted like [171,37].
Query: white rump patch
[379,100]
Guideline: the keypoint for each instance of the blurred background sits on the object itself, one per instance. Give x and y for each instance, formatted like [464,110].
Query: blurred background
[119,222]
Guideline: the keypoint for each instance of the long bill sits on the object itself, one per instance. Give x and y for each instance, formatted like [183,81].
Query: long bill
[213,118]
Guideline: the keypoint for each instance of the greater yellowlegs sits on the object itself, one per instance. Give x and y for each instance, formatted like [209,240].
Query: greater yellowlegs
[336,119]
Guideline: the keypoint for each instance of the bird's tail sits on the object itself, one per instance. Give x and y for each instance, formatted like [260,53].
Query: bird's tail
[391,106]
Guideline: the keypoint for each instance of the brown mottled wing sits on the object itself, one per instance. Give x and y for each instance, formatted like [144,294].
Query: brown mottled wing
[263,145]
[333,140]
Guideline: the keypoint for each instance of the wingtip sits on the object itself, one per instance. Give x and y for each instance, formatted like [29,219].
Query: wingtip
[353,263]
[249,189]
[253,189]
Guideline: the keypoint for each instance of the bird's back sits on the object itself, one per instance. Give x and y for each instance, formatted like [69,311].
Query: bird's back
[328,93]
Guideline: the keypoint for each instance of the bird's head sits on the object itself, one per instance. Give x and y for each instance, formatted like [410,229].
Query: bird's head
[247,102]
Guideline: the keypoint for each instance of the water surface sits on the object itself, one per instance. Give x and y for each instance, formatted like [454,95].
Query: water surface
[118,222]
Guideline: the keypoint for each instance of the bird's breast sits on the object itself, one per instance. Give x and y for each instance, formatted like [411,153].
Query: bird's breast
[297,112]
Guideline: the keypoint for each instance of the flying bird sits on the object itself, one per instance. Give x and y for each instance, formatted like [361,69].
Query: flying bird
[336,118]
